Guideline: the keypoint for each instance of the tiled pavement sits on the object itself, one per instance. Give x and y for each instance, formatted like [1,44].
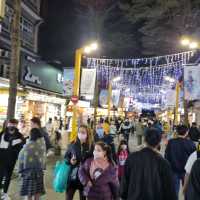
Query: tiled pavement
[51,195]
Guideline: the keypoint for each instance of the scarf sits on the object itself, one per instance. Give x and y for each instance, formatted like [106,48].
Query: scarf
[98,166]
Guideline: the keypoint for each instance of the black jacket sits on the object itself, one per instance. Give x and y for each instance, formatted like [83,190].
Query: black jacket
[177,153]
[13,143]
[147,176]
[80,151]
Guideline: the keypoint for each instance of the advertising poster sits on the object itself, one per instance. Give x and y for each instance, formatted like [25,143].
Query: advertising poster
[68,81]
[192,82]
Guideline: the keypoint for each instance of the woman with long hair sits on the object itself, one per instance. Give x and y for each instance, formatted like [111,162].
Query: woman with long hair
[78,151]
[99,175]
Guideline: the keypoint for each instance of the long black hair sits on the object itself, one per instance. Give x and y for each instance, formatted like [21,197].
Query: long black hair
[35,134]
[123,142]
[108,151]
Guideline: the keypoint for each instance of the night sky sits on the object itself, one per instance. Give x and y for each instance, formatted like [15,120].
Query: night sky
[58,38]
[62,33]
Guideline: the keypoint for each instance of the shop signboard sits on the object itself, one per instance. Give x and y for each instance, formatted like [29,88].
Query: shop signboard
[88,80]
[191,82]
[39,74]
[68,81]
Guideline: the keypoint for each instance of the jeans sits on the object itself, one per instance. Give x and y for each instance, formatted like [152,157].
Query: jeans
[177,178]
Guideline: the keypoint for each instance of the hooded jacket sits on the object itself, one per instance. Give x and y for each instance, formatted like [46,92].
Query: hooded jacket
[147,176]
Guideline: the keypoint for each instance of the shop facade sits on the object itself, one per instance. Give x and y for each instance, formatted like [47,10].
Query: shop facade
[40,91]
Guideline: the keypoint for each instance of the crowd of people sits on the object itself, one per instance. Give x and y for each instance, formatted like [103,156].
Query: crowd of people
[102,166]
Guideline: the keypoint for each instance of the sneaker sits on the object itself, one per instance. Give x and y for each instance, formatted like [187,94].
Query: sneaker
[50,153]
[5,196]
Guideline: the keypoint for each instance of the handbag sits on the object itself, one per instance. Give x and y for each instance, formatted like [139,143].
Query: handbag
[61,175]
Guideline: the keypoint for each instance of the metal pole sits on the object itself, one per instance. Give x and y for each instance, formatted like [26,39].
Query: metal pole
[177,104]
[77,72]
[109,98]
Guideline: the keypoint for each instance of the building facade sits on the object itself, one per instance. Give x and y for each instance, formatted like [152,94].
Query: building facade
[30,22]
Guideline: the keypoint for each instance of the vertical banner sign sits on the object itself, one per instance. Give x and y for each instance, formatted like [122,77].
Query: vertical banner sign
[192,82]
[88,80]
[115,97]
[68,81]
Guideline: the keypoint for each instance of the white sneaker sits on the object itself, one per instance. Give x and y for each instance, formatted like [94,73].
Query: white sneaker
[5,196]
[50,153]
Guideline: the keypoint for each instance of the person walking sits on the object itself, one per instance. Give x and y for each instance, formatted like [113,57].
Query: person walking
[139,131]
[125,129]
[193,187]
[147,175]
[77,152]
[122,155]
[99,175]
[32,159]
[36,123]
[177,153]
[11,142]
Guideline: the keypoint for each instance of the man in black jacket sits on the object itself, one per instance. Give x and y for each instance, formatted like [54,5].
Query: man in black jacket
[147,175]
[11,142]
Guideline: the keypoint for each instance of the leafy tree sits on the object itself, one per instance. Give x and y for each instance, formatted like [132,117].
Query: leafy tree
[163,22]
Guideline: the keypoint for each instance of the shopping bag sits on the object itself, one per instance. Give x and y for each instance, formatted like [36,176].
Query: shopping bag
[61,175]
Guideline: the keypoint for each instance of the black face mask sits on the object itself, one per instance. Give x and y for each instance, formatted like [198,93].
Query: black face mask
[11,129]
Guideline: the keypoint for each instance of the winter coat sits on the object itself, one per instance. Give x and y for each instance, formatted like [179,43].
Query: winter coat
[10,146]
[32,156]
[177,153]
[147,176]
[105,187]
[81,152]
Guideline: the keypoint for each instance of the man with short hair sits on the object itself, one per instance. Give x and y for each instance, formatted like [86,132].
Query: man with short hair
[147,174]
[177,153]
[11,142]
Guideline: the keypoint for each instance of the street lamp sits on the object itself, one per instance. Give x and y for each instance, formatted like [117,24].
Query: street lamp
[189,42]
[77,72]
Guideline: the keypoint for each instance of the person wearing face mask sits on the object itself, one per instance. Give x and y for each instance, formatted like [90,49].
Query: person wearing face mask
[99,175]
[77,152]
[11,142]
[122,155]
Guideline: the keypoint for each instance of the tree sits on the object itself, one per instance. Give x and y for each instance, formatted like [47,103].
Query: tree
[163,22]
[99,23]
[15,58]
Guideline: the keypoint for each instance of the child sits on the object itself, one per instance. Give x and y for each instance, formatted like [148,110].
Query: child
[122,155]
[99,175]
[31,166]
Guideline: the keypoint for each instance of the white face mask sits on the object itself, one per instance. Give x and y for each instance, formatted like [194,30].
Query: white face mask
[82,137]
[98,154]
[124,147]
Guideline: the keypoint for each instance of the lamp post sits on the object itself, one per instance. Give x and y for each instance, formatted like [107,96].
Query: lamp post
[77,74]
